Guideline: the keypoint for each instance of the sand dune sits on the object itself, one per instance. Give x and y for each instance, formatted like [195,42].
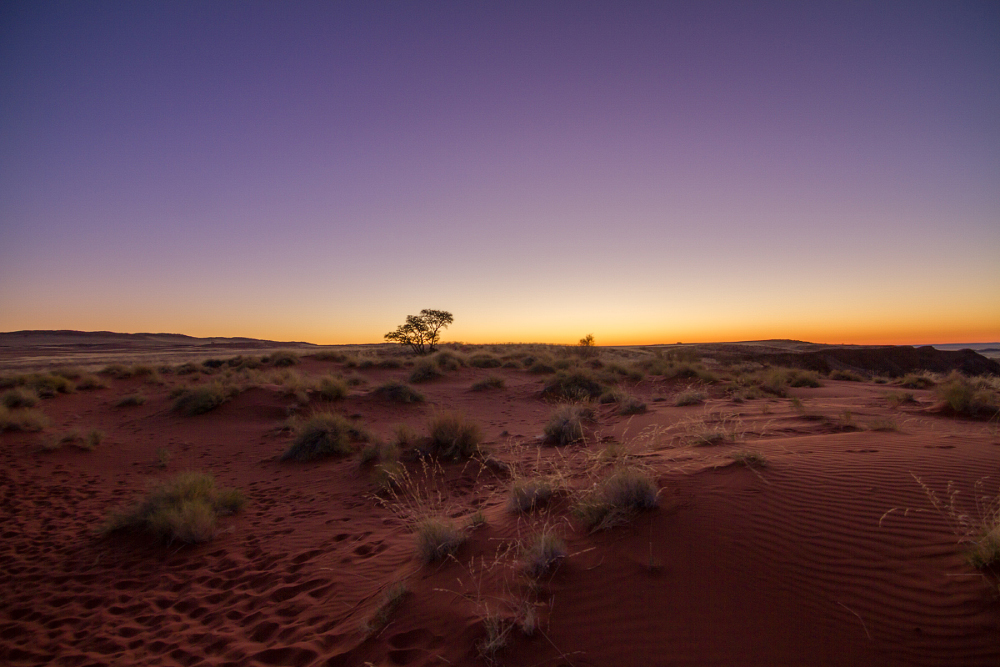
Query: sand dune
[794,563]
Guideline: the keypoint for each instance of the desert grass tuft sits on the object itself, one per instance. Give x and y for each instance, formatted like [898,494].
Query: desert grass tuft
[390,600]
[542,552]
[19,398]
[184,508]
[689,397]
[617,498]
[573,385]
[452,435]
[898,398]
[917,381]
[530,493]
[565,425]
[883,425]
[972,397]
[22,419]
[322,435]
[130,400]
[199,400]
[849,376]
[978,530]
[331,388]
[398,392]
[437,538]
[750,459]
[488,382]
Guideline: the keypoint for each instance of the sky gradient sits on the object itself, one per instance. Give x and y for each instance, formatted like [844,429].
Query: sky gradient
[646,172]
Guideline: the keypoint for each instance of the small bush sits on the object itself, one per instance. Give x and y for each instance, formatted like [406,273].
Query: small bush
[527,494]
[437,538]
[19,398]
[323,434]
[689,397]
[332,389]
[797,378]
[617,498]
[972,397]
[883,425]
[184,508]
[130,400]
[544,550]
[22,419]
[398,392]
[199,400]
[330,355]
[488,382]
[566,424]
[541,367]
[849,376]
[453,436]
[575,385]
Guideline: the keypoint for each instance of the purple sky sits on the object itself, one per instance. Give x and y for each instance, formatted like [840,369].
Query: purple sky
[647,172]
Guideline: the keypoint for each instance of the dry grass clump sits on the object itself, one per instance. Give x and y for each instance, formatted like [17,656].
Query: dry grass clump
[529,493]
[750,459]
[130,400]
[185,508]
[573,385]
[398,392]
[566,423]
[973,397]
[330,355]
[282,359]
[849,376]
[331,388]
[485,361]
[617,372]
[453,436]
[89,381]
[488,382]
[199,400]
[19,398]
[22,419]
[542,552]
[617,498]
[627,403]
[883,425]
[917,381]
[543,366]
[437,538]
[897,398]
[689,397]
[391,598]
[321,435]
[978,529]
[87,442]
[425,370]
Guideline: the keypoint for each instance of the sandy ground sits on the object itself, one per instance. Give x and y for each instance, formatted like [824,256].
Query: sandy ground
[830,555]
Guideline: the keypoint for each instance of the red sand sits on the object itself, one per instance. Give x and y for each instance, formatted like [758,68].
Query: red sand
[787,565]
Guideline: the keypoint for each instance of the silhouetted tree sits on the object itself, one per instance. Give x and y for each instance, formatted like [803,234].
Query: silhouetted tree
[421,332]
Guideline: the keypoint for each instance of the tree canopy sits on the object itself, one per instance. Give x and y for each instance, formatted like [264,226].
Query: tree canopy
[421,332]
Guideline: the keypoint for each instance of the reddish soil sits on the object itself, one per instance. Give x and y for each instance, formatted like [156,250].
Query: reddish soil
[795,563]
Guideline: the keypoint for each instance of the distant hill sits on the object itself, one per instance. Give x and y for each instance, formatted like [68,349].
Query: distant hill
[89,339]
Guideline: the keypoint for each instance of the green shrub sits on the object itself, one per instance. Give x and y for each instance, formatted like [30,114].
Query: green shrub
[617,498]
[453,436]
[566,424]
[398,392]
[19,398]
[185,508]
[437,538]
[488,382]
[575,385]
[321,435]
[199,400]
